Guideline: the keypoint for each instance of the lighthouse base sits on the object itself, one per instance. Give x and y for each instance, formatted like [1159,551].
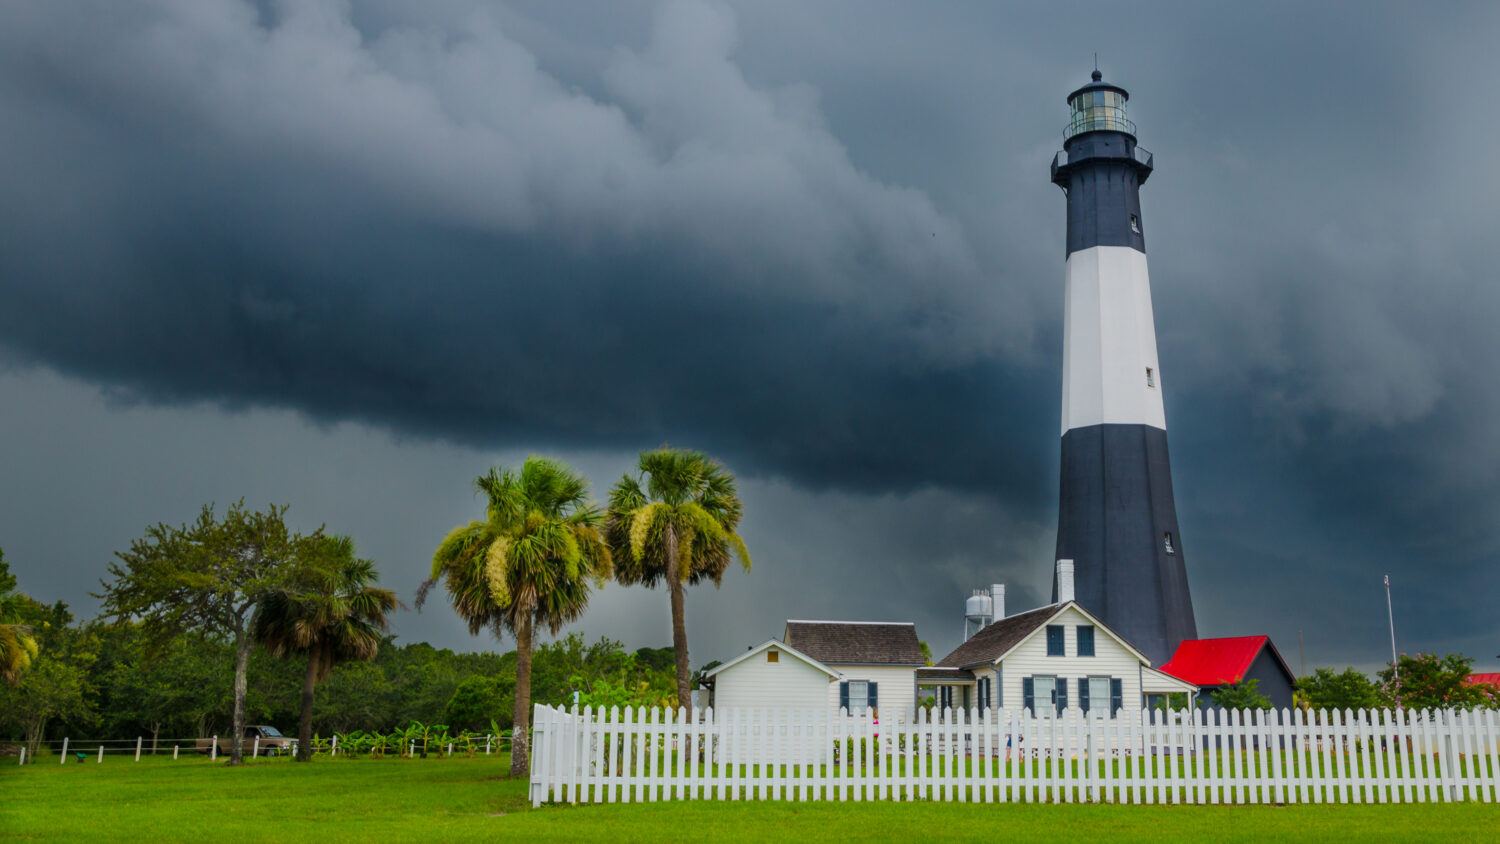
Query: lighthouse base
[1118,523]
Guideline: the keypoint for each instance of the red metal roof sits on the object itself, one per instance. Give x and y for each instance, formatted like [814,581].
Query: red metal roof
[1476,679]
[1214,662]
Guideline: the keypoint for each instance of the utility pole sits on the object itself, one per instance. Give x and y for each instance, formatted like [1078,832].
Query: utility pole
[1391,617]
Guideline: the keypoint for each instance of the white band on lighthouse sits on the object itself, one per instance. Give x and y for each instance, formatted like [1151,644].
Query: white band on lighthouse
[1110,371]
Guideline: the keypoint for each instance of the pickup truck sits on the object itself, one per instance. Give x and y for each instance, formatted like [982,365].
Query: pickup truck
[272,742]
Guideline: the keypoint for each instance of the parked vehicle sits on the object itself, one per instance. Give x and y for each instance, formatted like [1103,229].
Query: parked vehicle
[272,742]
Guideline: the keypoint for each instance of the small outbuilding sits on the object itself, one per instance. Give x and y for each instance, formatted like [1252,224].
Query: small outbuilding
[870,657]
[772,675]
[1212,664]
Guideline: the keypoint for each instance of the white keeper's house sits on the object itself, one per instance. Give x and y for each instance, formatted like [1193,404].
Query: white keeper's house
[852,665]
[1047,659]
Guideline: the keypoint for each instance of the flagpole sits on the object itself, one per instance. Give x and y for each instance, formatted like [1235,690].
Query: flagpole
[1391,617]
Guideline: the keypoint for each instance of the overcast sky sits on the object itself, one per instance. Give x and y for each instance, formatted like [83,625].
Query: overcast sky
[348,255]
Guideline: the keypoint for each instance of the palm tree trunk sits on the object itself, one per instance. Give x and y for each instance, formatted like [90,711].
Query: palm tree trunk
[679,618]
[520,764]
[243,646]
[304,726]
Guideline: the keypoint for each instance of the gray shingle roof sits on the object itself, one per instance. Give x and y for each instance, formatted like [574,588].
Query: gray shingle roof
[990,643]
[856,642]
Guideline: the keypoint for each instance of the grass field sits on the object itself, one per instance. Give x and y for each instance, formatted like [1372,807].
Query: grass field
[472,799]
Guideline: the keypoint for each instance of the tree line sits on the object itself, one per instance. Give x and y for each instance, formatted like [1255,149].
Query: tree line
[244,589]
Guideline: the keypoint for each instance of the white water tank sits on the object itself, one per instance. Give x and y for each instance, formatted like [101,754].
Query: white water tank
[978,611]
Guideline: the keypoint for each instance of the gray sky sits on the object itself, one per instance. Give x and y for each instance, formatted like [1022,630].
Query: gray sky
[347,256]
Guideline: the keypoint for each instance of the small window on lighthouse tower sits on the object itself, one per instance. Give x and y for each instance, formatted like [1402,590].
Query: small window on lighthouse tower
[1166,541]
[1150,377]
[1135,223]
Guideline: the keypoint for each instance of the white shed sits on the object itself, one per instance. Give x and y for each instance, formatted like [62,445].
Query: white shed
[772,675]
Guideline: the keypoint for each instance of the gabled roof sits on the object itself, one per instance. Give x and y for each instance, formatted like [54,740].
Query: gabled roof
[780,646]
[997,639]
[856,642]
[1156,681]
[1483,679]
[1218,662]
[994,642]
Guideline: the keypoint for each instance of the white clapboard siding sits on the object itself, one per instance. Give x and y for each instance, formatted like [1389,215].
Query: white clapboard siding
[996,755]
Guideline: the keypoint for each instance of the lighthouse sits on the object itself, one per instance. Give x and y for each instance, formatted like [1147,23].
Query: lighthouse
[1116,518]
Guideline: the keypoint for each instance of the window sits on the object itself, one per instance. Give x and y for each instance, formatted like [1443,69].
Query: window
[1085,640]
[1041,691]
[1135,223]
[1098,693]
[1055,646]
[1044,691]
[1150,377]
[859,696]
[1166,542]
[773,656]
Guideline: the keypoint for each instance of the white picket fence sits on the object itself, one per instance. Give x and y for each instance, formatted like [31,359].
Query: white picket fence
[1287,756]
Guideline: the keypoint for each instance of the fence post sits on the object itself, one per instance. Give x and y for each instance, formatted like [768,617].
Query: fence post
[255,749]
[137,748]
[213,749]
[64,756]
[23,755]
[174,751]
[101,754]
[486,744]
[1450,764]
[334,748]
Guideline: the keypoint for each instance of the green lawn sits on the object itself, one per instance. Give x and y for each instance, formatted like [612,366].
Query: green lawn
[464,799]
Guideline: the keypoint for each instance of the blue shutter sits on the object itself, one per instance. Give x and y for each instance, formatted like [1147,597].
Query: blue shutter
[1027,695]
[1062,694]
[1116,695]
[1083,694]
[1085,640]
[844,695]
[1055,646]
[871,699]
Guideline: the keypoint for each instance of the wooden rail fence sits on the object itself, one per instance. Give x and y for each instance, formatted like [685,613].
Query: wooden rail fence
[1286,756]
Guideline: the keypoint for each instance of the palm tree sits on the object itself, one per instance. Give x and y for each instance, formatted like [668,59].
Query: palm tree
[528,564]
[333,614]
[678,529]
[17,646]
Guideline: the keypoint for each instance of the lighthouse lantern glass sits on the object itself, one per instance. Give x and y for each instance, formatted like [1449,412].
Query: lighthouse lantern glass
[1094,111]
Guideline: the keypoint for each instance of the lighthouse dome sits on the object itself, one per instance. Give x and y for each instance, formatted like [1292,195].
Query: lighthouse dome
[1098,107]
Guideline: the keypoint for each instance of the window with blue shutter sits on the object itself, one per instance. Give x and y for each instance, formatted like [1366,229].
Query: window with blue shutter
[1055,640]
[1116,695]
[1085,640]
[1062,694]
[1083,694]
[1028,700]
[844,695]
[872,702]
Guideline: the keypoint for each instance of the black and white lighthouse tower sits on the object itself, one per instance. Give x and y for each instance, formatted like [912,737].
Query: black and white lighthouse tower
[1116,518]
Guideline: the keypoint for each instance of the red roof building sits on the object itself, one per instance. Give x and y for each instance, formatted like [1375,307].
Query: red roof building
[1220,662]
[1483,679]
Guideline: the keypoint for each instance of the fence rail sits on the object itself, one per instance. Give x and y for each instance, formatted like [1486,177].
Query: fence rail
[213,747]
[1285,756]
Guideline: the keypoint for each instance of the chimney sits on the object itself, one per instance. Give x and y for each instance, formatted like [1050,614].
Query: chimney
[997,599]
[1064,581]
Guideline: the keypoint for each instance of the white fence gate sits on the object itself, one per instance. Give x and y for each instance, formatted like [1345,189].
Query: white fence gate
[1286,756]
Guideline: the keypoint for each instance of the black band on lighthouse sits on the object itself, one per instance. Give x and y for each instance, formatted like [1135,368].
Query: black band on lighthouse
[1117,522]
[1102,173]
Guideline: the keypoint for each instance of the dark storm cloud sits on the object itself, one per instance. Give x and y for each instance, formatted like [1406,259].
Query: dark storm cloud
[817,240]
